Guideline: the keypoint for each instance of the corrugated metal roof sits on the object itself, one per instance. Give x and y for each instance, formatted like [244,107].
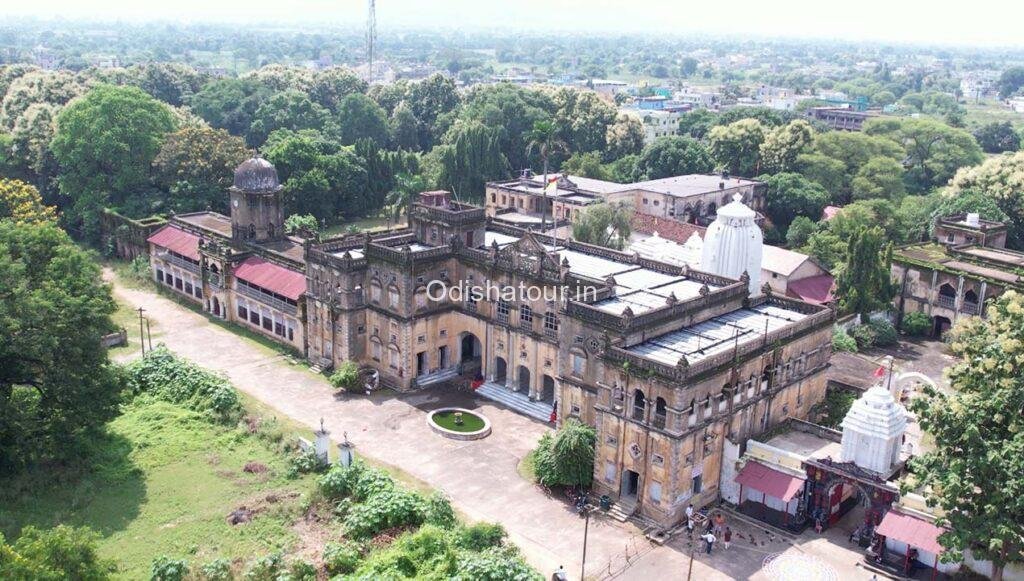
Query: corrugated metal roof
[272,277]
[911,530]
[771,482]
[176,240]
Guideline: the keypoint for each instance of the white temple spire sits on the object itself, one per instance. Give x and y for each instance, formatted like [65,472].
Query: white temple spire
[733,244]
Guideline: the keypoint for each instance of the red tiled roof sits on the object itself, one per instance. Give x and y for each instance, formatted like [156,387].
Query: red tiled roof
[915,532]
[813,289]
[274,278]
[771,482]
[667,228]
[176,240]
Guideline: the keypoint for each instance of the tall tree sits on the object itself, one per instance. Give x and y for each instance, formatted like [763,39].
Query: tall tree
[1000,178]
[934,150]
[737,146]
[469,158]
[105,143]
[21,203]
[544,141]
[402,196]
[1010,81]
[360,117]
[57,388]
[330,86]
[997,137]
[672,156]
[975,473]
[783,144]
[230,104]
[790,195]
[195,166]
[624,137]
[582,119]
[604,224]
[864,284]
[292,110]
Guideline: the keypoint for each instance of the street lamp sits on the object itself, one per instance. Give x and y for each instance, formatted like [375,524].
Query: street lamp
[586,530]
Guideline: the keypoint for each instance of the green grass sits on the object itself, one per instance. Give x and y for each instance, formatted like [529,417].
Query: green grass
[527,467]
[363,225]
[163,483]
[448,420]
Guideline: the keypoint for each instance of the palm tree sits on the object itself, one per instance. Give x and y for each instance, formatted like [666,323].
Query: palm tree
[402,195]
[543,140]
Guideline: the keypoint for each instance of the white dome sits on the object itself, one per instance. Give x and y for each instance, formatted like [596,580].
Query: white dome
[733,244]
[873,430]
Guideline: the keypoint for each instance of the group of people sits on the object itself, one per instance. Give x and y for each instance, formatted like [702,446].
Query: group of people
[716,529]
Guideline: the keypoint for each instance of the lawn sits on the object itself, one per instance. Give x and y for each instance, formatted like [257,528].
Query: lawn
[163,484]
[450,421]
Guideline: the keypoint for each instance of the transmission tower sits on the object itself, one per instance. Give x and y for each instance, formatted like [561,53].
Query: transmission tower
[371,37]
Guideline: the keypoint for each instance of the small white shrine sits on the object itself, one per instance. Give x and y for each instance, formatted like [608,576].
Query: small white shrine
[733,244]
[873,431]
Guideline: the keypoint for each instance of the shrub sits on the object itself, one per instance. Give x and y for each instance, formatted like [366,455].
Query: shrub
[885,333]
[62,552]
[480,536]
[306,463]
[567,458]
[170,378]
[346,377]
[439,511]
[495,564]
[167,569]
[340,559]
[216,570]
[864,335]
[916,324]
[300,571]
[358,481]
[267,568]
[841,341]
[385,509]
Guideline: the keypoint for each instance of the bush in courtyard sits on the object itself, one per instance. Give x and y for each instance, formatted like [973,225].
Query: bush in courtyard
[340,559]
[346,377]
[835,407]
[916,324]
[479,536]
[299,570]
[216,570]
[841,341]
[305,463]
[885,333]
[357,481]
[864,335]
[167,569]
[168,377]
[567,458]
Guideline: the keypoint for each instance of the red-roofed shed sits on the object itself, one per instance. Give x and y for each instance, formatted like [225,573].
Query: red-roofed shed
[176,240]
[272,277]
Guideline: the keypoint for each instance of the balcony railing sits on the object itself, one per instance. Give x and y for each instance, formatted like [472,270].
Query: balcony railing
[178,261]
[267,299]
[969,308]
[946,302]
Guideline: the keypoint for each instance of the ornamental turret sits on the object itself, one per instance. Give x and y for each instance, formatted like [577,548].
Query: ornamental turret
[256,212]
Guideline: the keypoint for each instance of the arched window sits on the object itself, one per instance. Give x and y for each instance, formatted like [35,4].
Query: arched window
[639,405]
[252,230]
[660,412]
[393,296]
[766,377]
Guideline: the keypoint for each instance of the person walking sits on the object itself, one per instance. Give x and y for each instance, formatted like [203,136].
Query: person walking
[709,540]
[560,574]
[727,537]
[719,523]
[689,512]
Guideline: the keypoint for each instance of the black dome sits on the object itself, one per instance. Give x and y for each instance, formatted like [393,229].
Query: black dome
[256,175]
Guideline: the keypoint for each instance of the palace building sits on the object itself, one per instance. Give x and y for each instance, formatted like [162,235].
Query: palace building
[669,363]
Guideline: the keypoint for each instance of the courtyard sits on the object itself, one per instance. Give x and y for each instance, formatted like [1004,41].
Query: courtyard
[481,477]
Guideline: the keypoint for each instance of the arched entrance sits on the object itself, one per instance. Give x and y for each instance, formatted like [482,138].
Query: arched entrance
[523,379]
[547,390]
[216,307]
[470,348]
[940,325]
[630,485]
[500,371]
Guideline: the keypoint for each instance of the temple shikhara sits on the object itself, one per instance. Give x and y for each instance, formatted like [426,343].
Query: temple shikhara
[677,367]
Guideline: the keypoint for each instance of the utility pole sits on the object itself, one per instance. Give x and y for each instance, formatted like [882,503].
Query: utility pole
[142,334]
[149,335]
[586,530]
[371,38]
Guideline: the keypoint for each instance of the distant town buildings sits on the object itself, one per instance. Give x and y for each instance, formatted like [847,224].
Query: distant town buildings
[839,118]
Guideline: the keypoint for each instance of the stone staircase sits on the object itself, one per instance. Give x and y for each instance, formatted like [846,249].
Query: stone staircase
[622,511]
[436,377]
[518,402]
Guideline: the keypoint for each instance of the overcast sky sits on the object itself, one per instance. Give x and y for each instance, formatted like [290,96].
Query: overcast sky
[974,22]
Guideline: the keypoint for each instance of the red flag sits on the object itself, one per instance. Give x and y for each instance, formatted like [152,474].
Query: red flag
[879,373]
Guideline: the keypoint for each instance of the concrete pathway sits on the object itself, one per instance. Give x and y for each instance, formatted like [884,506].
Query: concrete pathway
[480,477]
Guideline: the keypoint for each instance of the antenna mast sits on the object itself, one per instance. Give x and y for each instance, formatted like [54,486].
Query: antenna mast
[371,38]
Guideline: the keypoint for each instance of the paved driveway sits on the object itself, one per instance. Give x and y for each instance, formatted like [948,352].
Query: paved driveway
[480,477]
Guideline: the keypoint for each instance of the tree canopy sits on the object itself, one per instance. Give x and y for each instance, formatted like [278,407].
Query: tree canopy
[737,146]
[864,284]
[671,156]
[975,473]
[57,388]
[607,225]
[195,166]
